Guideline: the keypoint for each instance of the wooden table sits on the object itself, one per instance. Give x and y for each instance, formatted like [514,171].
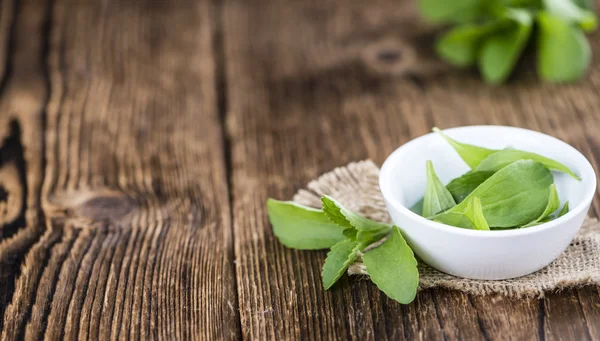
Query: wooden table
[140,140]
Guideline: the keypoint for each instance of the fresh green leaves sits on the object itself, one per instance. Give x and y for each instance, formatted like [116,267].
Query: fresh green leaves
[437,198]
[500,52]
[494,33]
[563,210]
[341,256]
[553,205]
[301,227]
[513,196]
[390,262]
[502,158]
[474,212]
[508,188]
[472,155]
[393,268]
[563,52]
[462,186]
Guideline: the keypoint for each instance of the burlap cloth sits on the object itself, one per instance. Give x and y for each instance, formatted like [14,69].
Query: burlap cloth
[357,187]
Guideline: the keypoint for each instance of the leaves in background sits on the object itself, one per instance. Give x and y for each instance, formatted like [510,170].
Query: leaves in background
[462,186]
[501,159]
[500,52]
[570,12]
[437,198]
[553,205]
[474,213]
[460,45]
[301,227]
[393,268]
[439,11]
[563,52]
[341,256]
[513,196]
[472,155]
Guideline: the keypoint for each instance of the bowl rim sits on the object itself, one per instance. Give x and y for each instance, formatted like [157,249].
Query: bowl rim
[385,173]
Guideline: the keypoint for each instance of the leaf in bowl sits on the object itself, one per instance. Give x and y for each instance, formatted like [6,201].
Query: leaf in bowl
[437,197]
[462,186]
[474,213]
[515,195]
[501,159]
[553,205]
[471,154]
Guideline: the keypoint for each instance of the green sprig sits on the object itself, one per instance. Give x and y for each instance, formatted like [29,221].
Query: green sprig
[493,34]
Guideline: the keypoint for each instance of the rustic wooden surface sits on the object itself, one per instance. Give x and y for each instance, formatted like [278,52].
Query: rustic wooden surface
[140,139]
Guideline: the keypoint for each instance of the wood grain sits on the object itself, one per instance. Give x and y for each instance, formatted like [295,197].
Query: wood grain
[303,99]
[124,231]
[139,141]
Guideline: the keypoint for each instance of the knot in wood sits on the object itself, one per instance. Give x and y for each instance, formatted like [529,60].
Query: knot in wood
[390,56]
[92,205]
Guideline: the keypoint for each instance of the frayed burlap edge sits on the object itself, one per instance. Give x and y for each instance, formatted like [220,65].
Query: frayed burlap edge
[357,187]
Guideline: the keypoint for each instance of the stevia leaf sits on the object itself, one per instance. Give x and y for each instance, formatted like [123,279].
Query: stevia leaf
[500,52]
[301,227]
[459,46]
[552,205]
[438,11]
[563,52]
[472,155]
[339,258]
[456,219]
[570,12]
[418,207]
[501,159]
[564,210]
[515,195]
[462,186]
[393,268]
[474,213]
[437,198]
[360,223]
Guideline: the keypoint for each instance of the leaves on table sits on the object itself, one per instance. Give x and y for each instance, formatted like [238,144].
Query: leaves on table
[570,12]
[339,258]
[500,52]
[460,45]
[513,196]
[501,159]
[437,198]
[301,227]
[393,268]
[471,154]
[563,52]
[553,205]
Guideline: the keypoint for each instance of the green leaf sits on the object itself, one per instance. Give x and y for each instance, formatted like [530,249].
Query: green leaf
[553,205]
[462,186]
[472,155]
[500,52]
[513,196]
[459,46]
[393,268]
[301,227]
[358,222]
[437,198]
[564,210]
[501,159]
[341,256]
[474,213]
[563,52]
[439,11]
[358,228]
[570,12]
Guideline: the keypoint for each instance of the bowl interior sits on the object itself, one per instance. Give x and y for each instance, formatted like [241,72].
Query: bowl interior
[405,169]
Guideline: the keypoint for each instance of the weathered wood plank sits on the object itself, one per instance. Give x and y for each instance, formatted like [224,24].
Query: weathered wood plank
[305,97]
[136,241]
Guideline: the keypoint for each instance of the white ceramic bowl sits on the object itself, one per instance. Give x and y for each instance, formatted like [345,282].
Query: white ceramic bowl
[490,255]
